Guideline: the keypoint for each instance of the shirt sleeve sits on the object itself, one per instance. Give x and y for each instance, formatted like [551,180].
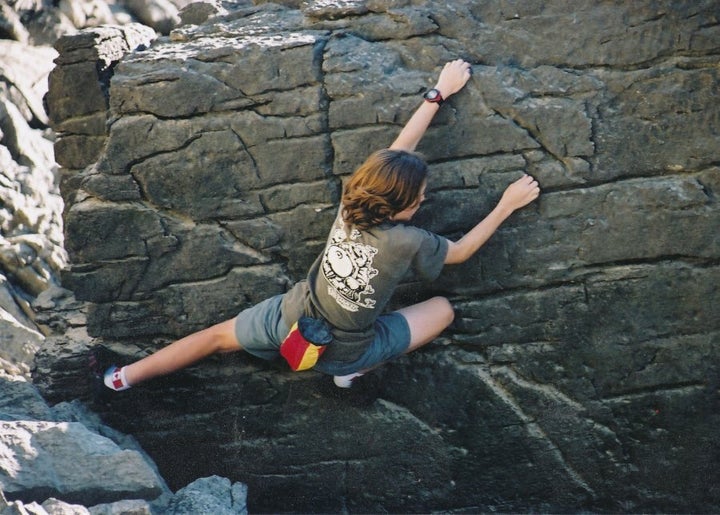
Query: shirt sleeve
[430,257]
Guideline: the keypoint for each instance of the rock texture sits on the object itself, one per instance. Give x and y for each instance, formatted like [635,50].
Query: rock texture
[62,459]
[31,229]
[59,459]
[581,373]
[31,237]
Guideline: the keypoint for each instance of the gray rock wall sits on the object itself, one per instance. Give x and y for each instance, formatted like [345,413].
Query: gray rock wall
[31,236]
[52,456]
[581,372]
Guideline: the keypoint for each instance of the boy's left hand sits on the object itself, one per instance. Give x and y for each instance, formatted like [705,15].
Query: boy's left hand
[520,193]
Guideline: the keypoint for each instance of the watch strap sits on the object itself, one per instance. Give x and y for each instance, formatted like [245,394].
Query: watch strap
[434,96]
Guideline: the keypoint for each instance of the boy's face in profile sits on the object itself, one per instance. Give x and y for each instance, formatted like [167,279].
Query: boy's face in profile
[406,214]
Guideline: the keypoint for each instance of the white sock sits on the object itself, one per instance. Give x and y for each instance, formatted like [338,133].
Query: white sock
[345,381]
[114,378]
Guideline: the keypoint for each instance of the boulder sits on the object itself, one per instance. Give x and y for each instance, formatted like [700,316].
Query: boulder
[580,373]
[197,13]
[210,495]
[63,459]
[162,15]
[42,461]
[51,506]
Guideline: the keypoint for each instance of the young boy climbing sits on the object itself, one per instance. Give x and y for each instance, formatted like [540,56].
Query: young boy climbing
[368,252]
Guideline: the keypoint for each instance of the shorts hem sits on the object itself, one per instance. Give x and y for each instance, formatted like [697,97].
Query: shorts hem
[392,339]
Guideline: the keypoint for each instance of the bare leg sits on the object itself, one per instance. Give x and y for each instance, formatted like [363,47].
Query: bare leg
[184,352]
[427,320]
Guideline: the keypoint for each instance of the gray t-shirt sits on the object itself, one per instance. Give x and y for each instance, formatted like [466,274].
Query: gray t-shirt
[351,282]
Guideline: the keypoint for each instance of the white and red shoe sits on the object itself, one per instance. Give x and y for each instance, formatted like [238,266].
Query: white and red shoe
[346,381]
[114,378]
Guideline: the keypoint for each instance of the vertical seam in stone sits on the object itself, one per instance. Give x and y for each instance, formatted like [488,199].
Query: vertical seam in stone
[324,109]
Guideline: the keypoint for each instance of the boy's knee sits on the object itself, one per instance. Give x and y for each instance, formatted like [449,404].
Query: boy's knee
[446,309]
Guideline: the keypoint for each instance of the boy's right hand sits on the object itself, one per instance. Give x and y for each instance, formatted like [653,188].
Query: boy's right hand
[520,193]
[453,77]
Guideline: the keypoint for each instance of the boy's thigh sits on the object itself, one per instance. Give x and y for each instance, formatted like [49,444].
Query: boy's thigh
[427,320]
[261,329]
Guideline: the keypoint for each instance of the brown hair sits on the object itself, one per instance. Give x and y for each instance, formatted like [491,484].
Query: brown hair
[388,182]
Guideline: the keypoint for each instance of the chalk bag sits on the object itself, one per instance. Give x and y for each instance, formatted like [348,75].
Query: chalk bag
[307,340]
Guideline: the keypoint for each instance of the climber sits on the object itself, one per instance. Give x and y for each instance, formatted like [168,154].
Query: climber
[369,249]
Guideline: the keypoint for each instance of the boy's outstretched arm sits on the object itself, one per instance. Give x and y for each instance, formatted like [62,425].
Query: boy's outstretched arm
[452,78]
[518,194]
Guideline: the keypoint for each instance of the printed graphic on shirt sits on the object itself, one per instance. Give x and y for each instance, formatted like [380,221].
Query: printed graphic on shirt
[347,266]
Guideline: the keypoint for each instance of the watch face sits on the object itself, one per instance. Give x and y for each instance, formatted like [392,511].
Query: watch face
[432,95]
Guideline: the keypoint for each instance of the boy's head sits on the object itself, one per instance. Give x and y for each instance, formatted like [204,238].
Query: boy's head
[389,185]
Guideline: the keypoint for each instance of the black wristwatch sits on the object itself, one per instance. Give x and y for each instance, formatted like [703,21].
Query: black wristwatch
[433,96]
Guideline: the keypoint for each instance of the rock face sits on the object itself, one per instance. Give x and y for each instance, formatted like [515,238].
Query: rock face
[31,235]
[66,459]
[201,173]
[31,229]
